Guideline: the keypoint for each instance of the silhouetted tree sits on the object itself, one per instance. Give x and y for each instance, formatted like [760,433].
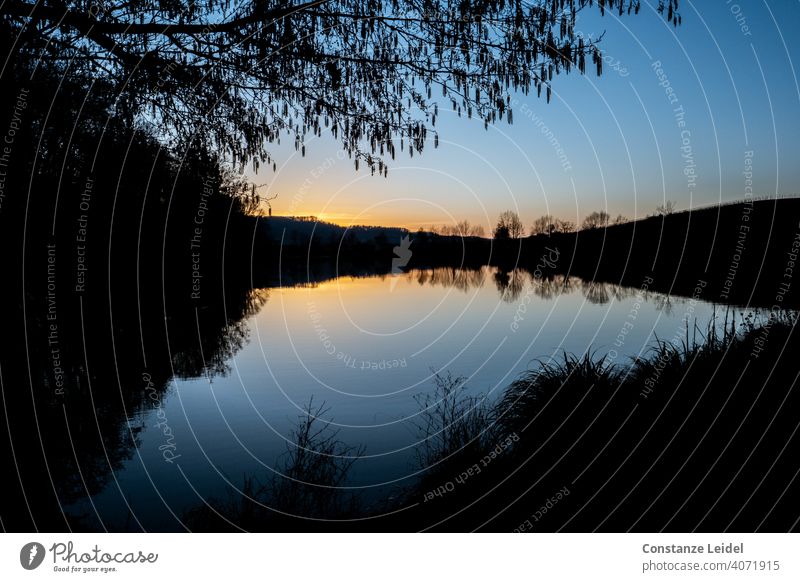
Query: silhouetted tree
[462,228]
[501,232]
[241,75]
[509,226]
[565,225]
[544,225]
[596,220]
[665,209]
[477,230]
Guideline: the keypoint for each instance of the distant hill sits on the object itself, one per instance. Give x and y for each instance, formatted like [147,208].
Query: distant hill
[301,231]
[745,253]
[742,253]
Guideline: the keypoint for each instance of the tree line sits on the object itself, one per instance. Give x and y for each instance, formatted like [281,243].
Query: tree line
[509,224]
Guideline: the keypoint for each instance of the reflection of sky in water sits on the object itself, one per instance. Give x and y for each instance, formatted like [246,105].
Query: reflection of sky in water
[365,347]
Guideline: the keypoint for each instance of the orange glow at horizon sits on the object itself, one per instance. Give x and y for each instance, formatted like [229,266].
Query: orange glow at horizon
[408,221]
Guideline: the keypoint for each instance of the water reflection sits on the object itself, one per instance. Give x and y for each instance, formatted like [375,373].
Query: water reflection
[451,277]
[76,392]
[212,357]
[510,285]
[119,365]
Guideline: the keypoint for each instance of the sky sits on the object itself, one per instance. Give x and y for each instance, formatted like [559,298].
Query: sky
[695,115]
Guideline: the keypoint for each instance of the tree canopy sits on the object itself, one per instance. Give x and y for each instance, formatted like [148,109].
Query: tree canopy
[597,219]
[546,224]
[509,225]
[243,75]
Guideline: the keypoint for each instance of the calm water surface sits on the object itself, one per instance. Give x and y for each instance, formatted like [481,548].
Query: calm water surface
[365,347]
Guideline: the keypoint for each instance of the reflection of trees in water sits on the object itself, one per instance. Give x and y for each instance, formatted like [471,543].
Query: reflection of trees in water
[91,432]
[599,293]
[666,303]
[217,348]
[459,278]
[510,284]
[596,293]
[308,482]
[86,434]
[554,285]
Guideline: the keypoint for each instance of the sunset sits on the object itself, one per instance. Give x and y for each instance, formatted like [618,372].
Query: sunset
[614,143]
[363,270]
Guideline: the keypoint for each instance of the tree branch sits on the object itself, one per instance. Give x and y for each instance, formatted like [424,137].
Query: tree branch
[80,20]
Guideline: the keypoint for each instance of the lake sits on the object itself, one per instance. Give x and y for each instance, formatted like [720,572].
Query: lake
[364,347]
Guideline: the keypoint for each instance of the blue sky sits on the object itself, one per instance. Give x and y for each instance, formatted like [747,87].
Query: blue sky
[730,66]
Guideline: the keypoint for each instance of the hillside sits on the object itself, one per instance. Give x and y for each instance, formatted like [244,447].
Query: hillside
[743,253]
